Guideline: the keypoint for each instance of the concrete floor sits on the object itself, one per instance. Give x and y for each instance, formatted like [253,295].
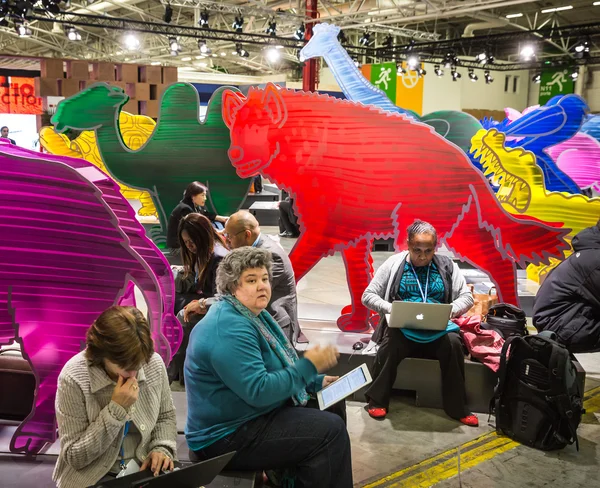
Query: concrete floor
[412,442]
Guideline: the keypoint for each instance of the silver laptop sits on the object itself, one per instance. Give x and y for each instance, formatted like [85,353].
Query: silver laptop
[419,315]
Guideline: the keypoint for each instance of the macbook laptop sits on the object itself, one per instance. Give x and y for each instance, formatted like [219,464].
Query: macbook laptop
[193,476]
[419,315]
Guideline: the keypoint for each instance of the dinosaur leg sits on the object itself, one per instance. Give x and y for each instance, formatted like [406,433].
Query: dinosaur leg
[478,247]
[310,248]
[359,272]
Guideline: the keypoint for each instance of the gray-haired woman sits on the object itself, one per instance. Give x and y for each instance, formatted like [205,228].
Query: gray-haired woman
[419,275]
[246,385]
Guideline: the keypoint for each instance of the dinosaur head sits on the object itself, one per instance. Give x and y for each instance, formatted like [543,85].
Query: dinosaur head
[254,123]
[323,40]
[89,109]
[515,170]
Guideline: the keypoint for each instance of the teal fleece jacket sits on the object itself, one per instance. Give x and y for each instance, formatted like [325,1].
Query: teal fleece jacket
[233,376]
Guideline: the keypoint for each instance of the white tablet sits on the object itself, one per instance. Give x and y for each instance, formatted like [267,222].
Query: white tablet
[344,387]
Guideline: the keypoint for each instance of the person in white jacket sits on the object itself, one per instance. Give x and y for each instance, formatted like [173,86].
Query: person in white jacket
[419,275]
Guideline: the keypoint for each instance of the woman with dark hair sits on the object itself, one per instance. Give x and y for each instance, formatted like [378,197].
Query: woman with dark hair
[194,201]
[113,405]
[202,249]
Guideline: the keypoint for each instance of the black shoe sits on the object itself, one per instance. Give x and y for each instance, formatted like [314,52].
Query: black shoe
[285,233]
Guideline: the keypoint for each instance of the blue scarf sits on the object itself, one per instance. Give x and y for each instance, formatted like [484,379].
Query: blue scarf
[279,343]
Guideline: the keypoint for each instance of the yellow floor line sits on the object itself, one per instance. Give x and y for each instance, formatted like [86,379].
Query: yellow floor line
[445,465]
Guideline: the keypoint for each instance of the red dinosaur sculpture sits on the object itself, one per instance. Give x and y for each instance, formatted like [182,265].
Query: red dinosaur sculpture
[357,173]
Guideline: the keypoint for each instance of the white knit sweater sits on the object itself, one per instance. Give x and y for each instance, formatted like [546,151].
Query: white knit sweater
[90,425]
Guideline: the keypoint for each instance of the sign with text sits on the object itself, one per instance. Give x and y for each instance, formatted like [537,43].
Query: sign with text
[17,96]
[555,82]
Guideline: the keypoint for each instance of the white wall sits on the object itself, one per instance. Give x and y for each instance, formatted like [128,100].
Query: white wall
[441,93]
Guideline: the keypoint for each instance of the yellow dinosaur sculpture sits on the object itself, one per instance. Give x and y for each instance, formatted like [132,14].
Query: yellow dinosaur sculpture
[136,130]
[522,191]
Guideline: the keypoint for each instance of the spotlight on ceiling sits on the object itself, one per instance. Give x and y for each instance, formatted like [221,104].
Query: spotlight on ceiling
[450,60]
[472,76]
[438,71]
[582,48]
[204,49]
[400,70]
[240,51]
[412,62]
[365,39]
[342,37]
[527,52]
[488,77]
[272,29]
[356,62]
[238,24]
[73,34]
[421,71]
[168,14]
[537,78]
[575,73]
[174,46]
[132,43]
[273,55]
[300,31]
[484,57]
[203,22]
[411,46]
[23,30]
[455,75]
[388,43]
[50,6]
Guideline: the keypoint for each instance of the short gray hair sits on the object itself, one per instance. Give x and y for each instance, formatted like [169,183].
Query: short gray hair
[236,262]
[421,227]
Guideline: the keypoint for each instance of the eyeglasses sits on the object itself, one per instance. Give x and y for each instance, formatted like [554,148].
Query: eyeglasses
[228,237]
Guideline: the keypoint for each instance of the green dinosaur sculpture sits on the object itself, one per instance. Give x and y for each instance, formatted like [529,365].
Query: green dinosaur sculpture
[180,150]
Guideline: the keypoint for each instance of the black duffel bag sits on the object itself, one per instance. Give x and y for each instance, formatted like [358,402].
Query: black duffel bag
[507,320]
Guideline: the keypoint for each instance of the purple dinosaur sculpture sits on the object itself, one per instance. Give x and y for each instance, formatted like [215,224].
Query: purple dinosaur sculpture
[579,157]
[70,248]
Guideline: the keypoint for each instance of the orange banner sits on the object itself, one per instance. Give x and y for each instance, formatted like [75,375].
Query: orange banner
[17,96]
[409,90]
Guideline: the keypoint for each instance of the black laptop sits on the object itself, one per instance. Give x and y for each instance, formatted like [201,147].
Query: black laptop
[193,476]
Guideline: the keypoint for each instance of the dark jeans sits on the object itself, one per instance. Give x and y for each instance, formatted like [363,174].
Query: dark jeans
[312,443]
[288,222]
[448,350]
[175,370]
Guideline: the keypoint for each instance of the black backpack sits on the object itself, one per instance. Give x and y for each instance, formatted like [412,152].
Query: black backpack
[538,401]
[507,320]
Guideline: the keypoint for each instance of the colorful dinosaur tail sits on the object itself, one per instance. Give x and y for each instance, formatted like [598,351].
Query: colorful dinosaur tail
[524,239]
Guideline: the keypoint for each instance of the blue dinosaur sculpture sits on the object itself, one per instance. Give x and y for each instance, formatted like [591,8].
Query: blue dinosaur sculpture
[557,121]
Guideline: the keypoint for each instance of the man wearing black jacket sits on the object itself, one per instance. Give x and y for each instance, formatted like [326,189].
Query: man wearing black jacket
[568,302]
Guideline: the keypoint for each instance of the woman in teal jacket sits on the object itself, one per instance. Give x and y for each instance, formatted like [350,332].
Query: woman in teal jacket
[247,389]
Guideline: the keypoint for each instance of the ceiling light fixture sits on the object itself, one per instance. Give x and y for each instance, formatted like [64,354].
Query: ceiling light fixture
[300,32]
[168,14]
[273,55]
[537,78]
[203,22]
[272,29]
[575,73]
[238,24]
[342,37]
[488,77]
[174,46]
[204,49]
[455,75]
[240,51]
[438,71]
[514,16]
[365,39]
[412,62]
[557,9]
[73,34]
[527,52]
[472,76]
[132,43]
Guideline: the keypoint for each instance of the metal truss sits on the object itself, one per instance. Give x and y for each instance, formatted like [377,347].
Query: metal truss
[113,23]
[227,8]
[403,32]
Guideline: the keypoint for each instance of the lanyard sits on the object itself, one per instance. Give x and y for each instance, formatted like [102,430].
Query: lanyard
[122,451]
[423,295]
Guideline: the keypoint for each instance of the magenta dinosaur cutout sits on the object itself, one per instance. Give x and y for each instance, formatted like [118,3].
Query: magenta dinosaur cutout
[579,157]
[70,248]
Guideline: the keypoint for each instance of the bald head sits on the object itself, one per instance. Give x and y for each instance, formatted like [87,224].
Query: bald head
[241,229]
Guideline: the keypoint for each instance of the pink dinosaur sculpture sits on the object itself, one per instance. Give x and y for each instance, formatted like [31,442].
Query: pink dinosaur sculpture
[579,157]
[70,248]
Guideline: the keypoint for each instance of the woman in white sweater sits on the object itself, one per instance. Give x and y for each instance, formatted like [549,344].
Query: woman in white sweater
[114,406]
[419,275]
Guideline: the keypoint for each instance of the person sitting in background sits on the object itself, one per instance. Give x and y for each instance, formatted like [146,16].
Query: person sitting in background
[568,302]
[194,201]
[288,222]
[4,133]
[242,229]
[202,249]
[246,387]
[419,275]
[114,404]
